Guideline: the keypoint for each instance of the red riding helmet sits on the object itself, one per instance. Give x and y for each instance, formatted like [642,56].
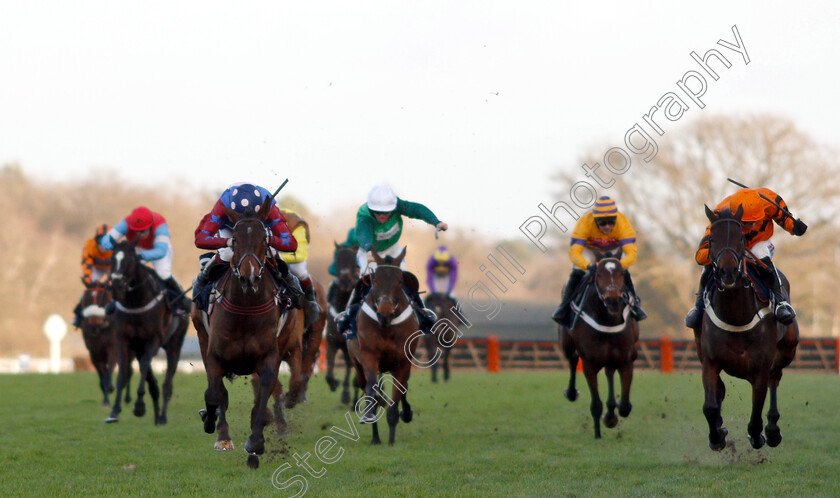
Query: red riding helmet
[140,219]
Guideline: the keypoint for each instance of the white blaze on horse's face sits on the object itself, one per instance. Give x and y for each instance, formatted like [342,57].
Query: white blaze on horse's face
[610,266]
[118,259]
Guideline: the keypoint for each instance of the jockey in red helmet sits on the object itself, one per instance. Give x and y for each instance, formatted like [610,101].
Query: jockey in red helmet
[151,234]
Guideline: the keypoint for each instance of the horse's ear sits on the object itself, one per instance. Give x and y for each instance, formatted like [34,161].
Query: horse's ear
[709,213]
[232,215]
[265,209]
[400,257]
[336,245]
[376,257]
[739,212]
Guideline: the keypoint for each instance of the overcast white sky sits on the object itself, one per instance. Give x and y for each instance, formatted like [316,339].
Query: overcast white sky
[466,106]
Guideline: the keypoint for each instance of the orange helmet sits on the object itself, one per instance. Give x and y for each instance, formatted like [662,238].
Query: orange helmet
[140,219]
[753,206]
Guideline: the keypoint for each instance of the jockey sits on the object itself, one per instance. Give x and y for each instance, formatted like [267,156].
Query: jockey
[350,242]
[441,271]
[151,234]
[96,267]
[214,232]
[379,225]
[607,229]
[757,226]
[297,263]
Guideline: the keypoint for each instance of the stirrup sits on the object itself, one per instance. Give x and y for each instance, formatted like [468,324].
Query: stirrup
[784,313]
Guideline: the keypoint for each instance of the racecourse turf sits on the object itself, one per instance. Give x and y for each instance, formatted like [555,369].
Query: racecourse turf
[480,434]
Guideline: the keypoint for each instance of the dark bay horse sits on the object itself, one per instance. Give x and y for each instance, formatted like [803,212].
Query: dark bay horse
[603,335]
[385,323]
[443,305]
[348,275]
[740,335]
[98,333]
[143,324]
[242,332]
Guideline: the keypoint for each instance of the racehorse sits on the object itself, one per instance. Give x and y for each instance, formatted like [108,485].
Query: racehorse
[98,333]
[603,335]
[348,275]
[243,331]
[386,321]
[143,324]
[442,304]
[739,335]
[302,357]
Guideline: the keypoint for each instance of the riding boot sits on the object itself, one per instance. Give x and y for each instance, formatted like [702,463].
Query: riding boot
[694,318]
[562,315]
[178,303]
[280,271]
[425,316]
[77,315]
[784,311]
[312,309]
[346,320]
[202,283]
[633,300]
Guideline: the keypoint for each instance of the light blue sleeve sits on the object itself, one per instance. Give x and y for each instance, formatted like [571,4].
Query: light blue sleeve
[113,235]
[161,245]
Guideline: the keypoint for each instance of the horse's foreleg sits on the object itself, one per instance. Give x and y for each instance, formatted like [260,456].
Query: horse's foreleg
[345,392]
[759,394]
[711,406]
[431,347]
[446,352]
[173,354]
[154,392]
[774,434]
[268,377]
[213,394]
[398,396]
[223,441]
[145,368]
[296,382]
[104,378]
[596,408]
[124,373]
[571,392]
[610,418]
[626,373]
[331,352]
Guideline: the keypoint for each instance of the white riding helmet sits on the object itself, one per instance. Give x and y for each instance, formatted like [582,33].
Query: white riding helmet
[382,199]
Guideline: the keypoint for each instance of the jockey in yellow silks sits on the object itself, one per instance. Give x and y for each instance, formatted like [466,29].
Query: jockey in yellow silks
[605,229]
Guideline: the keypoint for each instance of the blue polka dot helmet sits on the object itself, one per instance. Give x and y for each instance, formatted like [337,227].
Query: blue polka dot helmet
[246,196]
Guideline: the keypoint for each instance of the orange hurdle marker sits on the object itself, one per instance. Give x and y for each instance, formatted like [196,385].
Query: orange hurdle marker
[666,350]
[493,361]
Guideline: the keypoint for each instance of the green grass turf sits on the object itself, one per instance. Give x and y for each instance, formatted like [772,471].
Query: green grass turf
[478,435]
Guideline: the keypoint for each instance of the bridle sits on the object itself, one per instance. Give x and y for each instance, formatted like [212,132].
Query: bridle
[739,257]
[235,267]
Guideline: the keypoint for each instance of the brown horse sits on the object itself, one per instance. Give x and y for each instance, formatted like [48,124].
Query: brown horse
[302,357]
[243,332]
[143,324]
[385,323]
[603,335]
[348,275]
[443,305]
[740,336]
[98,333]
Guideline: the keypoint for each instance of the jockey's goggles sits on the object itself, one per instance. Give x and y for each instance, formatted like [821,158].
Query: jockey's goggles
[607,220]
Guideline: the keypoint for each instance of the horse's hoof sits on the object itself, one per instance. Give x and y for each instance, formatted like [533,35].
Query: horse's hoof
[407,415]
[254,461]
[610,420]
[254,448]
[367,418]
[717,446]
[774,437]
[111,419]
[223,445]
[758,442]
[105,404]
[375,442]
[571,395]
[139,409]
[161,420]
[624,410]
[203,414]
[345,397]
[209,425]
[333,383]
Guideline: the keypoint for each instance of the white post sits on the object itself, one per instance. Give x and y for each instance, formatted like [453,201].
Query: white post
[55,329]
